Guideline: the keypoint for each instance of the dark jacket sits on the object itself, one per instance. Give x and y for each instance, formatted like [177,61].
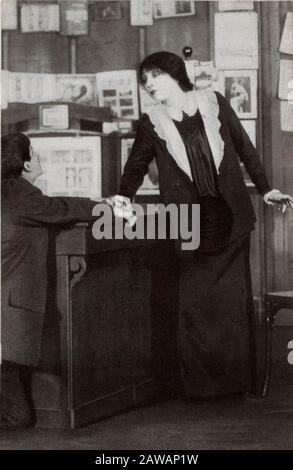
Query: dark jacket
[26,216]
[175,185]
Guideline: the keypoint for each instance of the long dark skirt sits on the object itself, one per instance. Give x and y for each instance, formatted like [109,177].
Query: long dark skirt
[216,339]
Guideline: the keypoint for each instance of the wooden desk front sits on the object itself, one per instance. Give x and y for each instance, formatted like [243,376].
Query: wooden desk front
[100,335]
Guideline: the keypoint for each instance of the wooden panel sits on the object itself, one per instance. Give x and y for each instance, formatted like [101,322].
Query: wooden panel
[277,147]
[173,34]
[110,45]
[141,332]
[100,329]
[38,52]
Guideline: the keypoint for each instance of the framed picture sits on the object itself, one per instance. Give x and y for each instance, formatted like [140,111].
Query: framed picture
[9,14]
[286,44]
[233,5]
[240,88]
[141,12]
[71,165]
[39,16]
[118,91]
[165,9]
[74,18]
[54,116]
[31,87]
[150,185]
[285,79]
[106,11]
[79,88]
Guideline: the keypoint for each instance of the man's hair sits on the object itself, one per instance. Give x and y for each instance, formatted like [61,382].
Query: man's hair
[166,62]
[15,150]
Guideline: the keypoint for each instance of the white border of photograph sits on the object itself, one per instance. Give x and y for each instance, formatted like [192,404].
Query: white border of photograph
[8,15]
[141,12]
[285,79]
[247,81]
[286,43]
[54,116]
[167,8]
[250,128]
[235,5]
[286,116]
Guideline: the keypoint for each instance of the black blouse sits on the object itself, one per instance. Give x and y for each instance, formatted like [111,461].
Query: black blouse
[215,215]
[192,132]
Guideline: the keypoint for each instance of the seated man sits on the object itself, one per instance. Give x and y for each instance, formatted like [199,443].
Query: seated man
[26,216]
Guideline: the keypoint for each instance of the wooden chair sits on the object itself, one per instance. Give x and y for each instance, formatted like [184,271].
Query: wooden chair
[274,301]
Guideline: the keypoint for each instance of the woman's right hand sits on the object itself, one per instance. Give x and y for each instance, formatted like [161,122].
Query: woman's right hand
[122,208]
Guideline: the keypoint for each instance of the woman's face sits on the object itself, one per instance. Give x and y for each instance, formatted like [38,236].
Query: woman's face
[159,85]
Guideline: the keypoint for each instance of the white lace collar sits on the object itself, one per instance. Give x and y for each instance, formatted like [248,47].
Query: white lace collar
[189,108]
[207,103]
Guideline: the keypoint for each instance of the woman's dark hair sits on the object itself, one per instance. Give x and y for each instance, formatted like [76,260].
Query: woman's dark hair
[166,62]
[15,150]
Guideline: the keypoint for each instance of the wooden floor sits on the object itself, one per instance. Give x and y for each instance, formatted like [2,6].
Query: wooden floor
[234,423]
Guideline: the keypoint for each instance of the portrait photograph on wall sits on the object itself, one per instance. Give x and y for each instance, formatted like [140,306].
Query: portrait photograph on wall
[106,10]
[77,88]
[163,9]
[240,88]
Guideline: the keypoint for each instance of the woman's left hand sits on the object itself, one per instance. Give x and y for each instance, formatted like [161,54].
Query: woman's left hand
[276,197]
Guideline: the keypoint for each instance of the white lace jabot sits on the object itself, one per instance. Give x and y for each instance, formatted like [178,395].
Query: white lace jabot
[207,103]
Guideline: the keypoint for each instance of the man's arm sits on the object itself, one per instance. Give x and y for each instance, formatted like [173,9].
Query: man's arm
[34,208]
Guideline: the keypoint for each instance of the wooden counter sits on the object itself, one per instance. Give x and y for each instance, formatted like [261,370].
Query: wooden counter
[104,331]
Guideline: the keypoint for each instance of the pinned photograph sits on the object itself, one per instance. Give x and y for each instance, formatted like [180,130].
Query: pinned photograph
[76,89]
[106,11]
[36,17]
[119,91]
[236,40]
[204,75]
[141,12]
[286,44]
[240,89]
[163,9]
[286,80]
[235,5]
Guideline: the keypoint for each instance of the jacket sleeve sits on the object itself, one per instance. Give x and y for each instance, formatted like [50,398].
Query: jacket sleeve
[141,155]
[245,149]
[36,209]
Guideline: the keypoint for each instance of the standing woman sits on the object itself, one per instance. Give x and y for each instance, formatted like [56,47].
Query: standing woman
[196,139]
